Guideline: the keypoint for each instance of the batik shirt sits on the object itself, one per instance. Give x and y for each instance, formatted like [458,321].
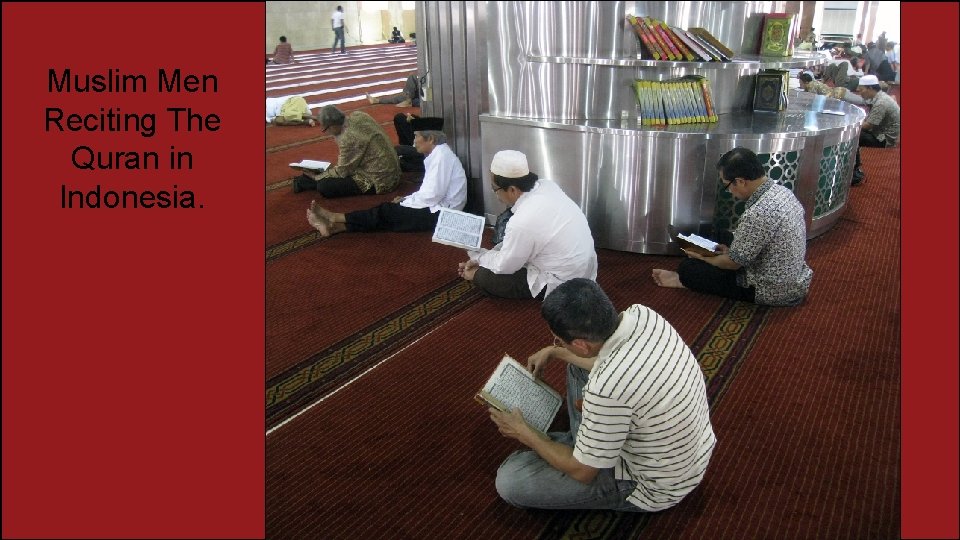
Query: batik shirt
[770,244]
[885,118]
[366,155]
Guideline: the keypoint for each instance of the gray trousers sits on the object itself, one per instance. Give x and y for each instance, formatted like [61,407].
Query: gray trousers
[526,480]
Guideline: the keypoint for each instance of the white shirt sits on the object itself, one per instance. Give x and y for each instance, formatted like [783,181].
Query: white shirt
[549,235]
[444,182]
[273,107]
[337,19]
[645,411]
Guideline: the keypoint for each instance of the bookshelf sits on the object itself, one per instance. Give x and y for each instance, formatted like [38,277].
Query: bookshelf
[571,107]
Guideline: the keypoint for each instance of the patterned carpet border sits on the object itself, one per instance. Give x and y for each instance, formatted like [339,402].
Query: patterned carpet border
[720,347]
[327,370]
[281,184]
[294,244]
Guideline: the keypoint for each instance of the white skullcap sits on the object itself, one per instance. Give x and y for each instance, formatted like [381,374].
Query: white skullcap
[509,164]
[869,80]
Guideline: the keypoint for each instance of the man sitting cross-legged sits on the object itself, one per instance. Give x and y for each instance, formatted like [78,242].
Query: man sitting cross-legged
[444,186]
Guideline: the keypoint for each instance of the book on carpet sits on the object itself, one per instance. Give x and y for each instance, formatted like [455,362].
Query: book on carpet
[698,244]
[311,165]
[513,387]
[459,229]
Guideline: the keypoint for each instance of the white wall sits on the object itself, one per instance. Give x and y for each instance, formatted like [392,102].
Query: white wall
[307,24]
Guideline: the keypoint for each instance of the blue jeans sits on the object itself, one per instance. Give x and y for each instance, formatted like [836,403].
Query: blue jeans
[338,36]
[526,480]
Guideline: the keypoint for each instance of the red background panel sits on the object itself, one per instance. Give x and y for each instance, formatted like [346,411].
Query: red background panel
[929,263]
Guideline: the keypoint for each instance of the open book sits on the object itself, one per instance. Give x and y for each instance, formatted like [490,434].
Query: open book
[459,229]
[311,165]
[512,386]
[698,244]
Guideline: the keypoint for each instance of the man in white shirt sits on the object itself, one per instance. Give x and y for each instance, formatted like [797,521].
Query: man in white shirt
[546,242]
[444,186]
[643,438]
[336,23]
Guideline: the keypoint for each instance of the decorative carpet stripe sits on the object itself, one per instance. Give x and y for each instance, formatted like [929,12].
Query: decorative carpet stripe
[720,347]
[323,372]
[282,184]
[285,248]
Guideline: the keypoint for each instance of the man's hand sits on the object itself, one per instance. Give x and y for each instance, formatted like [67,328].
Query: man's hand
[466,270]
[512,425]
[539,359]
[397,200]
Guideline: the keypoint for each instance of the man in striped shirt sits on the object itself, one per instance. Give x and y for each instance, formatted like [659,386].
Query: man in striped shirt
[643,439]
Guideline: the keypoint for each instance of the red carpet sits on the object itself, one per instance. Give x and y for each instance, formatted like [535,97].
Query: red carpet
[804,400]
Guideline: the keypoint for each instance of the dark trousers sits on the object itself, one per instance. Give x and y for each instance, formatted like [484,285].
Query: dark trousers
[338,37]
[868,140]
[503,285]
[333,188]
[703,277]
[392,217]
[410,159]
[404,129]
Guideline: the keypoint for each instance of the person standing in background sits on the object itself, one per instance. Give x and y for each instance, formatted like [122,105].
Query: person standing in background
[336,23]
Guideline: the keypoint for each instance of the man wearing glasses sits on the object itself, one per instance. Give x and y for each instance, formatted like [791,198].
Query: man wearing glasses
[643,439]
[546,241]
[367,163]
[764,263]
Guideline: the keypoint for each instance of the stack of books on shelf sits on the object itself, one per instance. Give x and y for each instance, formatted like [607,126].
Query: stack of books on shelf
[664,42]
[686,100]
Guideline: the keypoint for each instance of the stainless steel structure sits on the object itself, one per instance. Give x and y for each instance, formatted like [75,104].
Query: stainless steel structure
[560,76]
[559,88]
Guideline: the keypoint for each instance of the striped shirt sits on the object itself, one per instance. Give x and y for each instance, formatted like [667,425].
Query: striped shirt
[645,411]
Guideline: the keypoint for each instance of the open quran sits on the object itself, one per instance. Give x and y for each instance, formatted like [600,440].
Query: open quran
[513,387]
[698,244]
[459,229]
[311,165]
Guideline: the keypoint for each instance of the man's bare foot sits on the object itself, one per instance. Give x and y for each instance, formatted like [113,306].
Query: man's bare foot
[405,103]
[373,100]
[320,224]
[667,278]
[321,212]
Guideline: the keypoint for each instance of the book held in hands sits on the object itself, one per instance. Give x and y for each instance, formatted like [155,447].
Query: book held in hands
[698,244]
[513,387]
[459,229]
[311,165]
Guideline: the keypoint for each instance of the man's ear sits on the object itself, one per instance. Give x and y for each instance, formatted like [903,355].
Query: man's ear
[582,347]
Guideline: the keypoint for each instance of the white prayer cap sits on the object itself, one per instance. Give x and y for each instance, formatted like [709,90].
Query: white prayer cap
[509,164]
[869,80]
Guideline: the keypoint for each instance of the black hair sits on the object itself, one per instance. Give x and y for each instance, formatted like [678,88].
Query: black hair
[283,39]
[331,116]
[579,309]
[806,77]
[524,183]
[740,163]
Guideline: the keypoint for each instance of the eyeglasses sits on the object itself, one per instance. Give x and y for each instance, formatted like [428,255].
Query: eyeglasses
[498,188]
[726,185]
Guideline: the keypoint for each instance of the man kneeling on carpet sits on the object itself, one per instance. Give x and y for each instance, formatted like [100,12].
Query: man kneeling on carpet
[444,186]
[637,446]
[367,163]
[289,111]
[764,262]
[546,242]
